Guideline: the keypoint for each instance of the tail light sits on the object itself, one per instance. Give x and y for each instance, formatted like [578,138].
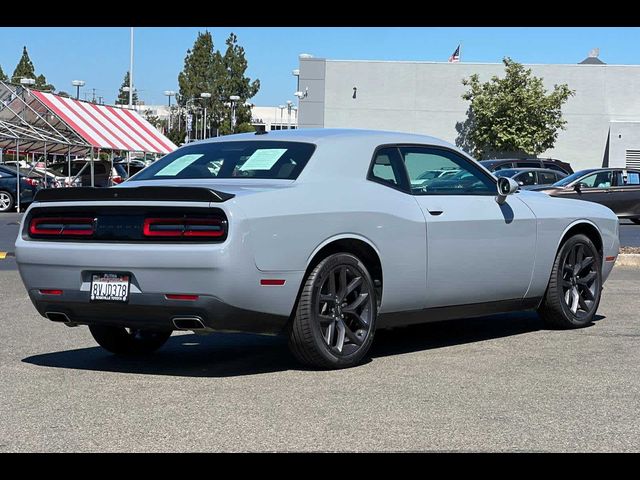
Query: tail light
[61,227]
[116,179]
[32,182]
[184,227]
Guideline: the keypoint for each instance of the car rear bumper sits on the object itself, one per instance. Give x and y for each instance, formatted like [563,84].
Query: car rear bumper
[155,311]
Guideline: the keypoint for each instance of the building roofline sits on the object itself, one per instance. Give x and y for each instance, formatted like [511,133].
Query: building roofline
[582,65]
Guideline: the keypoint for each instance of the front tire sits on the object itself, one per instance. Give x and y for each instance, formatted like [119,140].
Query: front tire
[335,317]
[6,201]
[128,341]
[575,285]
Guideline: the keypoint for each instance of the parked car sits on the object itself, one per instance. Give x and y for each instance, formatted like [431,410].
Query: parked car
[550,163]
[531,177]
[9,188]
[134,167]
[321,235]
[104,175]
[616,188]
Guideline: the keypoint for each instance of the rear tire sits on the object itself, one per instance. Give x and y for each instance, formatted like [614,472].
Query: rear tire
[124,341]
[334,322]
[6,201]
[575,285]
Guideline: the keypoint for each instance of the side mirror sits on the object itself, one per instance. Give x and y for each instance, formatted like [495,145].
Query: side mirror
[506,186]
[578,187]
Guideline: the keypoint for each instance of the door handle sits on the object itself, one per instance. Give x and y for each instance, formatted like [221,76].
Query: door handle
[435,212]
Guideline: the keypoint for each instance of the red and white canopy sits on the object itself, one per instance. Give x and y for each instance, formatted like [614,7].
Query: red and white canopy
[106,127]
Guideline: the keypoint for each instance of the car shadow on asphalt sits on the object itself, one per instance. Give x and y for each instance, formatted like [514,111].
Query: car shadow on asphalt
[229,354]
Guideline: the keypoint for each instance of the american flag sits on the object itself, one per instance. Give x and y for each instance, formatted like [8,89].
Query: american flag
[455,56]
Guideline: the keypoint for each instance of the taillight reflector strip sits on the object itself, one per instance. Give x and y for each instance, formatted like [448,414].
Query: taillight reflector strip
[275,282]
[183,227]
[51,292]
[62,226]
[171,296]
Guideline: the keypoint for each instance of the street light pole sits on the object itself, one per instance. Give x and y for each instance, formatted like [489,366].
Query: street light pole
[234,99]
[281,107]
[205,96]
[78,84]
[289,102]
[169,94]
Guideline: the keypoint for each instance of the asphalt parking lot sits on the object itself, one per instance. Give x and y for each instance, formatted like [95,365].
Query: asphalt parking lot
[500,383]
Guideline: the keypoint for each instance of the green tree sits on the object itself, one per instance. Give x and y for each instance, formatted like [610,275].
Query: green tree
[231,68]
[3,77]
[511,115]
[221,75]
[123,96]
[41,84]
[25,68]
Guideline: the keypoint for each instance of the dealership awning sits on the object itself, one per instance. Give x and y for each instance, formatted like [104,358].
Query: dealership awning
[107,127]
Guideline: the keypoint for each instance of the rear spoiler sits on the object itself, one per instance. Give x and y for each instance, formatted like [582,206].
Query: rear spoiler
[176,194]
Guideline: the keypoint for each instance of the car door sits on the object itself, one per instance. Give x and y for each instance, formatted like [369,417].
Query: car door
[594,187]
[625,194]
[477,250]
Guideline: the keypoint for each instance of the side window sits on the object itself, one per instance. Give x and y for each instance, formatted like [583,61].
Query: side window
[436,171]
[553,166]
[526,178]
[597,180]
[545,178]
[386,168]
[633,178]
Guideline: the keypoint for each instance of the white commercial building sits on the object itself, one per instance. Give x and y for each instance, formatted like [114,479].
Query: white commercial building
[603,117]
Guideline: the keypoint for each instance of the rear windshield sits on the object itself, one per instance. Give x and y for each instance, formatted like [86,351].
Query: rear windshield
[250,159]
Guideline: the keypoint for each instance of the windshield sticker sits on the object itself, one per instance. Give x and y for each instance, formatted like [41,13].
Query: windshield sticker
[178,165]
[263,159]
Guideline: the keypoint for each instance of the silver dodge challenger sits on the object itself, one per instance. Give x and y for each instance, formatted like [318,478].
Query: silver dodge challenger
[321,235]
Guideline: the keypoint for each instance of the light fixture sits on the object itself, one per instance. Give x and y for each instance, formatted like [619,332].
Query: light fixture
[78,84]
[27,81]
[305,55]
[303,94]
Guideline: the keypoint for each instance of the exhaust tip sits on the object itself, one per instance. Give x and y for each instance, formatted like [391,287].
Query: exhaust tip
[188,323]
[58,317]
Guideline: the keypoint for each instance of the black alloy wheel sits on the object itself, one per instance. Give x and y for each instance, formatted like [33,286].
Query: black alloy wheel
[335,317]
[575,285]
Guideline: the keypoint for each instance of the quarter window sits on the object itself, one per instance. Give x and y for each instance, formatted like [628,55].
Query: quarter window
[386,168]
[436,171]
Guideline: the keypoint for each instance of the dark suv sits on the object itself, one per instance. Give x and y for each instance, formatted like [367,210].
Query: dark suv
[550,163]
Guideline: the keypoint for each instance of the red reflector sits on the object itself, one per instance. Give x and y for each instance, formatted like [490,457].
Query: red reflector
[51,292]
[62,226]
[272,281]
[611,259]
[181,297]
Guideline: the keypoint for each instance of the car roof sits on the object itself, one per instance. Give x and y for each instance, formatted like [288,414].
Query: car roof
[318,135]
[532,169]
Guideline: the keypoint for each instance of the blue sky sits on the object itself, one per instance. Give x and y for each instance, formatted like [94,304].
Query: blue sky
[100,55]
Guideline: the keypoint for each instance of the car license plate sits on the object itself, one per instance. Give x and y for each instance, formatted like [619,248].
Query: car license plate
[109,287]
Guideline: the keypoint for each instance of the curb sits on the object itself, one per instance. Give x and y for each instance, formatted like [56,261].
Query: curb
[628,260]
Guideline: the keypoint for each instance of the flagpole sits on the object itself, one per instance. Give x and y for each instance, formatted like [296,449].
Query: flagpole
[131,71]
[460,54]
